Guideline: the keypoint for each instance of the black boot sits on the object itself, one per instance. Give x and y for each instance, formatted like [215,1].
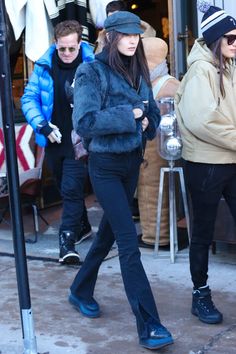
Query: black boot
[135,210]
[85,229]
[85,232]
[204,308]
[68,254]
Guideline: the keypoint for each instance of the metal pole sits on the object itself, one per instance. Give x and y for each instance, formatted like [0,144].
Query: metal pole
[13,186]
[172,212]
[159,206]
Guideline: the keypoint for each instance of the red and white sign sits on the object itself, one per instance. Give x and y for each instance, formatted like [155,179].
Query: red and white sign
[25,155]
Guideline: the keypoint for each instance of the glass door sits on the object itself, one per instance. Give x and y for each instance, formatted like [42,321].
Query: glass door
[183,33]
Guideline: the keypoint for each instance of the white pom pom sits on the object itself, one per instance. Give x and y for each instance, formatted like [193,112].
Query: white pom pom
[203,5]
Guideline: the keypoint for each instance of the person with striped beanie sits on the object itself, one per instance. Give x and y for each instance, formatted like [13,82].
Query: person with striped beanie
[215,22]
[206,113]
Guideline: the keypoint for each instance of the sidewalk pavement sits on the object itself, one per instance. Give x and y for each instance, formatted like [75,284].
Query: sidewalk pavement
[59,329]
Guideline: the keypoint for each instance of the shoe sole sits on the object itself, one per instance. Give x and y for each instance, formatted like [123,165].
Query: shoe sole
[70,259]
[157,346]
[195,313]
[89,234]
[77,308]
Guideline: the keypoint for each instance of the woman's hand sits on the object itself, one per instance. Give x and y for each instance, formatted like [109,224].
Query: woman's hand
[137,113]
[145,123]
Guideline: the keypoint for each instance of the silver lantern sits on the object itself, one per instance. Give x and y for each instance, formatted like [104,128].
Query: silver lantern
[170,148]
[167,123]
[165,104]
[169,140]
[173,147]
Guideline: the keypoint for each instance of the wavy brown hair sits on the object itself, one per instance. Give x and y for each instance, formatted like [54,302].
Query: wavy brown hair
[220,62]
[67,27]
[137,64]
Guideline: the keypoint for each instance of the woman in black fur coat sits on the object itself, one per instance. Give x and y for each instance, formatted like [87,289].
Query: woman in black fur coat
[114,112]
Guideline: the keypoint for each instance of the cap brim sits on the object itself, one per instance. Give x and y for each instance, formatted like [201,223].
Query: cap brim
[126,29]
[133,30]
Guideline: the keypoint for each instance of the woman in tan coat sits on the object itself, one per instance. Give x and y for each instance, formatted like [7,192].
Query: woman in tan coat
[206,112]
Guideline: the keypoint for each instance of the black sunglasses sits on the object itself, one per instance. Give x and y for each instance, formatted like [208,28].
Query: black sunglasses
[231,38]
[63,49]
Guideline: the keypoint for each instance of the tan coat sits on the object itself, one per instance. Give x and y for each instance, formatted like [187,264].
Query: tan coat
[207,121]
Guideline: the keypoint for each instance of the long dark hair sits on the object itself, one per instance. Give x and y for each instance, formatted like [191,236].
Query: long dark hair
[220,62]
[137,64]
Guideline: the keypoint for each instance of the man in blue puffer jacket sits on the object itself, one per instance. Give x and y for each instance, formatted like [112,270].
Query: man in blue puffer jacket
[47,109]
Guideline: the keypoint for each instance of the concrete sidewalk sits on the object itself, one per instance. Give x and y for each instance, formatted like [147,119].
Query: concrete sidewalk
[60,329]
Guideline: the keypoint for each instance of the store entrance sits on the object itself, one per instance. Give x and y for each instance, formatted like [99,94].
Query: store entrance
[183,16]
[154,12]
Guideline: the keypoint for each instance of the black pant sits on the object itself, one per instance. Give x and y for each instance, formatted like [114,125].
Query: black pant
[114,179]
[207,183]
[70,175]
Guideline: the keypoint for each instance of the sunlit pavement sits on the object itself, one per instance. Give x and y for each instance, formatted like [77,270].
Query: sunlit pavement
[59,329]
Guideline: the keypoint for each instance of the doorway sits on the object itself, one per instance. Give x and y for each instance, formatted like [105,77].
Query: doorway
[183,16]
[154,12]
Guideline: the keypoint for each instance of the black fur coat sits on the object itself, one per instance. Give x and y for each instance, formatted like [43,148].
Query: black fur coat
[103,109]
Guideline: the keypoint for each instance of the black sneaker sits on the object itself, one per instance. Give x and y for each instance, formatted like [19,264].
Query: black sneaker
[68,254]
[85,232]
[204,308]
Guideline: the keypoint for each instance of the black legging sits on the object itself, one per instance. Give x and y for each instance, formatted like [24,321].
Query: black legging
[207,183]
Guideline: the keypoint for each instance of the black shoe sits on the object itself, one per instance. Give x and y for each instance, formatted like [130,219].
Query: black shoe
[85,232]
[135,210]
[158,337]
[68,255]
[204,308]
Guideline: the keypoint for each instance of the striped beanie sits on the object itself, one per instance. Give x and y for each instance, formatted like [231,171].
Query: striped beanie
[215,22]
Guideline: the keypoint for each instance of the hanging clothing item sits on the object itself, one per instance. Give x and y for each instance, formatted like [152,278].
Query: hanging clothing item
[98,11]
[75,10]
[14,45]
[39,29]
[33,16]
[16,13]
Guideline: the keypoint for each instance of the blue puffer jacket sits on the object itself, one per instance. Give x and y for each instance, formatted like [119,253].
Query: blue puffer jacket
[37,101]
[103,109]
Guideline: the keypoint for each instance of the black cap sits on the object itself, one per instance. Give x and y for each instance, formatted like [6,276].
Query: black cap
[123,22]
